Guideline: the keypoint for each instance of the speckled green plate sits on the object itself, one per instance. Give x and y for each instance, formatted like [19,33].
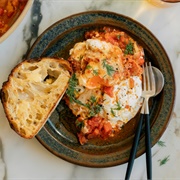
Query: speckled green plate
[59,133]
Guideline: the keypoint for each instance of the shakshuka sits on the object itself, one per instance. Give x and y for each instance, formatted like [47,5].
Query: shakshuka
[104,92]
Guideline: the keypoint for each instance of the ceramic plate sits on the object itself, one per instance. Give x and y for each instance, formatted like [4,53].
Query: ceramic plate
[59,133]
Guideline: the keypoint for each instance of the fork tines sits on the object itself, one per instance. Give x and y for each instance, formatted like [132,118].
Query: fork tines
[148,77]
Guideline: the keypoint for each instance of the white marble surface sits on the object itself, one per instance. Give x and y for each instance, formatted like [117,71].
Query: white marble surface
[28,159]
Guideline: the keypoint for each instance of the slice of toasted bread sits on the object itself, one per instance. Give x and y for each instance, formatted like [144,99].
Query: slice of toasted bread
[32,92]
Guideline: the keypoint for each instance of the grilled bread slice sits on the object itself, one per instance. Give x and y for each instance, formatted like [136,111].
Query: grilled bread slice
[32,92]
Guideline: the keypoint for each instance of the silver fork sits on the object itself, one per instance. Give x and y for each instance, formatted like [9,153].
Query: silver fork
[149,86]
[149,90]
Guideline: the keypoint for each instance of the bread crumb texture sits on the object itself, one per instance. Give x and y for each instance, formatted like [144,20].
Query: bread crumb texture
[32,92]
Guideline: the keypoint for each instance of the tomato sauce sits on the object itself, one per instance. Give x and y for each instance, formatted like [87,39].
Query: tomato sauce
[97,127]
[9,12]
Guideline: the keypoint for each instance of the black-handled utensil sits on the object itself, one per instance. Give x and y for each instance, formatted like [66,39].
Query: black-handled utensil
[159,83]
[134,148]
[149,90]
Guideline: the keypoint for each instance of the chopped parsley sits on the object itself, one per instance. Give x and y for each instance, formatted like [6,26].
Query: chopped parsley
[129,48]
[110,70]
[163,161]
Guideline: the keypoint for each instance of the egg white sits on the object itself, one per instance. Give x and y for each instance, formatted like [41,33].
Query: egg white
[92,53]
[125,102]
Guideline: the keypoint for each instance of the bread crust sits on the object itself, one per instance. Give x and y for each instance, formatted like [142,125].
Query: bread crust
[32,91]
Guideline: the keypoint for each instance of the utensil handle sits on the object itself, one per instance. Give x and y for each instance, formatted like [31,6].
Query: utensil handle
[134,148]
[148,147]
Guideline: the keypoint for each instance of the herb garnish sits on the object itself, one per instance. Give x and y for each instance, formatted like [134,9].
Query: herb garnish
[72,90]
[118,107]
[110,70]
[129,48]
[79,124]
[72,87]
[112,112]
[95,71]
[163,161]
[161,143]
[93,106]
[88,67]
[118,36]
[93,99]
[80,57]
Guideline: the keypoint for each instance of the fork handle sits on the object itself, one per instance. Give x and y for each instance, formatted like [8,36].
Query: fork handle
[148,147]
[134,148]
